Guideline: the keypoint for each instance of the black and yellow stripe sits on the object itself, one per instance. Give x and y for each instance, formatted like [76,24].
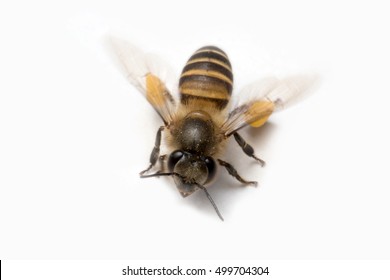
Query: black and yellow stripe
[207,76]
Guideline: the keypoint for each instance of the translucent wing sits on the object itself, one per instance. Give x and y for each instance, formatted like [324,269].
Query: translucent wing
[150,75]
[265,97]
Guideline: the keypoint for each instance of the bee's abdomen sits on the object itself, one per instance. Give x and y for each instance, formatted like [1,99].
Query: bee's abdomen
[207,76]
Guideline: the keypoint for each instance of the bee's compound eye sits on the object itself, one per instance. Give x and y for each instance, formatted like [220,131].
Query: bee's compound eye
[211,167]
[174,158]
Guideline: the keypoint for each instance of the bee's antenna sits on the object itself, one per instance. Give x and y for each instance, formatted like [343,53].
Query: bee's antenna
[158,174]
[211,200]
[181,177]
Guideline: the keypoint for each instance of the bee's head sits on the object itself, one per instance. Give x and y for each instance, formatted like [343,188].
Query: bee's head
[194,170]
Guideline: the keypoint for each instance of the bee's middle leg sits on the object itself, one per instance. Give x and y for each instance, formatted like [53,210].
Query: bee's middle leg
[248,150]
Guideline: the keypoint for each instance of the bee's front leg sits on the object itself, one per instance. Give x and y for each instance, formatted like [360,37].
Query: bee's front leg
[232,171]
[154,156]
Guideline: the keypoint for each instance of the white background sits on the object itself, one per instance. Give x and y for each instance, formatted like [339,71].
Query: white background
[75,134]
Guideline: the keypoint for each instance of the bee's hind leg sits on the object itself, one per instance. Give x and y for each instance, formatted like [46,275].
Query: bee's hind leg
[154,156]
[248,150]
[232,171]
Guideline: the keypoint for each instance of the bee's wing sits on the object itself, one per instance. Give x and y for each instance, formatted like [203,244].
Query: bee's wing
[150,75]
[265,97]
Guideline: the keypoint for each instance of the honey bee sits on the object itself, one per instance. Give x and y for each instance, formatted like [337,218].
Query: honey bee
[197,127]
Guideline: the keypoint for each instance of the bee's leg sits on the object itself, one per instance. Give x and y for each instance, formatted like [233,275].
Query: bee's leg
[156,151]
[248,150]
[232,171]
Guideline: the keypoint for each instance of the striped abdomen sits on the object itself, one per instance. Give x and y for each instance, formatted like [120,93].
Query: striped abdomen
[207,76]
